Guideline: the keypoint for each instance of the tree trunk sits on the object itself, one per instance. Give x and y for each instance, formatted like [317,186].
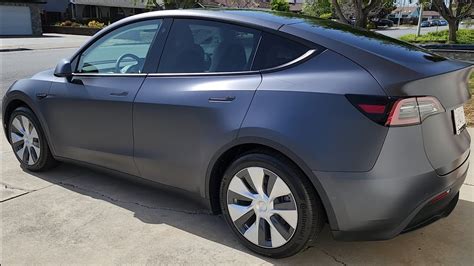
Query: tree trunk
[361,21]
[452,31]
[339,13]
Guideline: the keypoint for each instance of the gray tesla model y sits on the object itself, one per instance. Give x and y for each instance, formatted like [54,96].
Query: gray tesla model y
[281,123]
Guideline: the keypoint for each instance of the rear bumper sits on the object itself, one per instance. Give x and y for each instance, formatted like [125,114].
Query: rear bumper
[396,196]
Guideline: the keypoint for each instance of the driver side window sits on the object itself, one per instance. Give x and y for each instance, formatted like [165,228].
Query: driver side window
[120,51]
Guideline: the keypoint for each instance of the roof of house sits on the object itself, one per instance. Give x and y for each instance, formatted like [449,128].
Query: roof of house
[405,10]
[430,13]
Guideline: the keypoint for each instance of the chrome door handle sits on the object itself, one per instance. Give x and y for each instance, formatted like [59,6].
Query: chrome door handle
[222,99]
[120,94]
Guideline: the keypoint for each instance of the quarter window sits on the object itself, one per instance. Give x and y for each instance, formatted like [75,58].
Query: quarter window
[121,51]
[275,51]
[198,46]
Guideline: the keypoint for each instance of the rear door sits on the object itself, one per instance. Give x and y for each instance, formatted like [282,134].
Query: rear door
[196,101]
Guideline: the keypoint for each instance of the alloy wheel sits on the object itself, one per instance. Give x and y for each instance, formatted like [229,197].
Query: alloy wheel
[25,140]
[262,207]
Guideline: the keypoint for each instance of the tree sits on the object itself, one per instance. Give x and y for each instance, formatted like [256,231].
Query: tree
[316,8]
[454,11]
[362,9]
[385,10]
[280,5]
[179,4]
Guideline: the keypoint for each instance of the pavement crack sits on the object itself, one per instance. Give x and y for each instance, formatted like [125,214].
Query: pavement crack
[333,257]
[467,184]
[190,212]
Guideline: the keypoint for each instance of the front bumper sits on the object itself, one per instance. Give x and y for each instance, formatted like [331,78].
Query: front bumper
[395,196]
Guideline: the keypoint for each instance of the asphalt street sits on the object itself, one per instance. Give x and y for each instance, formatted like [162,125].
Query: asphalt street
[396,32]
[74,215]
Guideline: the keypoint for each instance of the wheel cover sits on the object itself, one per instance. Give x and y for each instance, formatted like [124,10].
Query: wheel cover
[262,207]
[25,140]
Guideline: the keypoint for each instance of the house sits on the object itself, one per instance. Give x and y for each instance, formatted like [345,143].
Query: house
[296,5]
[104,10]
[430,15]
[410,14]
[20,17]
[404,14]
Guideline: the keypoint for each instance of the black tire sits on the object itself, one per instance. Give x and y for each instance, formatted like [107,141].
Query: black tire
[45,160]
[311,215]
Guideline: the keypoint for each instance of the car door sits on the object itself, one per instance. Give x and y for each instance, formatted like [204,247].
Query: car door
[196,101]
[90,115]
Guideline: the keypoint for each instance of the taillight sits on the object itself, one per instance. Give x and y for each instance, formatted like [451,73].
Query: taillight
[390,111]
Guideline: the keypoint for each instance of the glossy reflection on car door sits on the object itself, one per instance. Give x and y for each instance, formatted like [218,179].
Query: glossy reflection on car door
[177,128]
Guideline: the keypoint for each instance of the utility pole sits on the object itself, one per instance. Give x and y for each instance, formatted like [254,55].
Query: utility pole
[420,15]
[400,14]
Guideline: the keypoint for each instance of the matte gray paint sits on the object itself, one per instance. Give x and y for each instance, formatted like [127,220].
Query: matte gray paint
[168,108]
[372,179]
[89,122]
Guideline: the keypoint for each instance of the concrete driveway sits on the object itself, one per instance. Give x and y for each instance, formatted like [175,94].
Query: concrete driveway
[74,215]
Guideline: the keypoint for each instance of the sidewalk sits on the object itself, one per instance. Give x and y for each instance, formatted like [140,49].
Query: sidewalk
[47,41]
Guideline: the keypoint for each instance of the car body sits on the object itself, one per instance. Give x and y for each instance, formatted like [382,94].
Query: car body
[365,131]
[425,23]
[434,22]
[383,22]
[442,23]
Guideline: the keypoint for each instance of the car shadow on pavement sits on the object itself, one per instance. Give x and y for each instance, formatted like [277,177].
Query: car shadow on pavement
[449,241]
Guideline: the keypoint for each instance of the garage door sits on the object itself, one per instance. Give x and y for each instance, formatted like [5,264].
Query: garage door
[15,20]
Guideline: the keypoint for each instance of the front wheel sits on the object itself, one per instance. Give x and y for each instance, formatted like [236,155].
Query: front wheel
[270,205]
[28,141]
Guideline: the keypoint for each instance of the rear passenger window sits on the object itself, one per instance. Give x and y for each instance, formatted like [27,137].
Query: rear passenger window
[275,51]
[199,46]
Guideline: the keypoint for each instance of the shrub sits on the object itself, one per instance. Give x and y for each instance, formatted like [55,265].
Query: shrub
[280,5]
[326,16]
[66,23]
[95,24]
[464,36]
[371,25]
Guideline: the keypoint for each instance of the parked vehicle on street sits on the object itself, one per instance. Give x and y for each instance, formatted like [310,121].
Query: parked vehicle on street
[383,22]
[434,22]
[442,23]
[425,23]
[281,123]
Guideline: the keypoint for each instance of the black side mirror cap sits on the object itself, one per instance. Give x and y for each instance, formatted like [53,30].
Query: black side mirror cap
[63,69]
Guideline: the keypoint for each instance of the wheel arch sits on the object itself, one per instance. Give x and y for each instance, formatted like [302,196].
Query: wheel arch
[245,145]
[18,99]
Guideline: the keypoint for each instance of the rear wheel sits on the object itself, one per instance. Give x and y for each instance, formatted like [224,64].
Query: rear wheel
[28,141]
[270,205]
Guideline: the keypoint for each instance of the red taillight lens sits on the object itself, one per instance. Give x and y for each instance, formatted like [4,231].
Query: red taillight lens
[396,112]
[412,111]
[404,112]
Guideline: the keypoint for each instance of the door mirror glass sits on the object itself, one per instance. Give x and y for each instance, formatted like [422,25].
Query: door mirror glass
[120,51]
[63,69]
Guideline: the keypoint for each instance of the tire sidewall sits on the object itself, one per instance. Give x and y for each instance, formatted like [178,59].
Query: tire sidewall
[306,205]
[44,150]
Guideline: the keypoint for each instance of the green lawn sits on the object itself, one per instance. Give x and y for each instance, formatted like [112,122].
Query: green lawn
[464,36]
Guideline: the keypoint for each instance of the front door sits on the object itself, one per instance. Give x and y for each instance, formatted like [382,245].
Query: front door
[94,124]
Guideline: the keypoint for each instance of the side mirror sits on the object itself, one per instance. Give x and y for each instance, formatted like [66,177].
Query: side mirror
[63,69]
